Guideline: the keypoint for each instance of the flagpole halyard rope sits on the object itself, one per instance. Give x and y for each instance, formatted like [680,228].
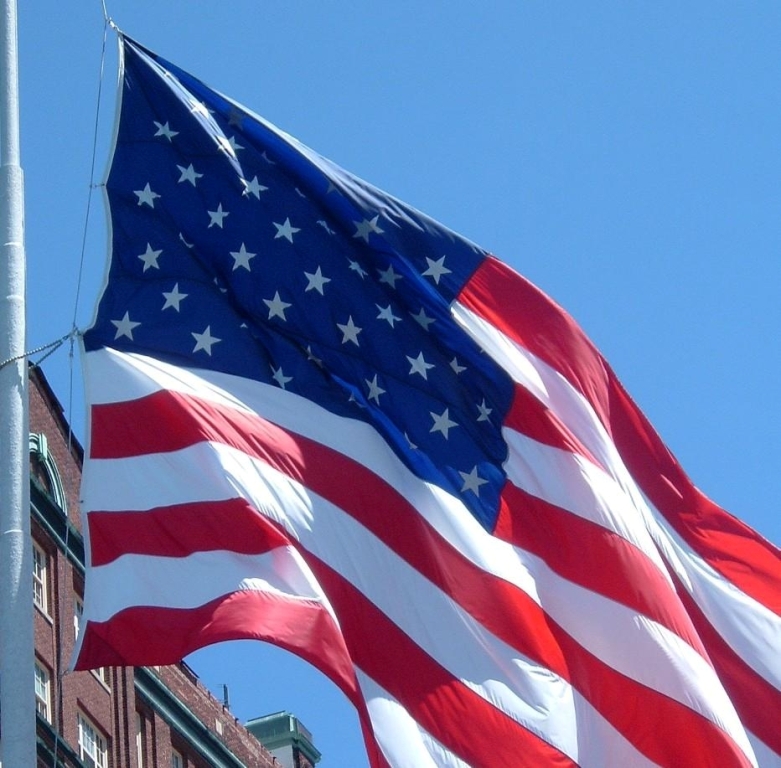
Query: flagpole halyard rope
[92,184]
[52,346]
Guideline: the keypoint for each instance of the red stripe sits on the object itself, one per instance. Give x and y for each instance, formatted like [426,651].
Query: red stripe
[669,734]
[506,611]
[458,718]
[176,531]
[150,635]
[594,558]
[170,421]
[757,702]
[525,314]
[530,417]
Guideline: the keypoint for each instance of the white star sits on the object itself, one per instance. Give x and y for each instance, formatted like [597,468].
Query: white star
[419,365]
[412,445]
[485,411]
[387,314]
[234,144]
[375,390]
[186,244]
[276,307]
[324,224]
[279,376]
[205,341]
[165,130]
[356,267]
[472,481]
[423,318]
[228,145]
[388,276]
[253,187]
[125,327]
[146,196]
[436,269]
[366,227]
[316,281]
[456,367]
[349,331]
[285,230]
[217,217]
[199,108]
[442,422]
[189,174]
[241,258]
[149,257]
[267,158]
[173,298]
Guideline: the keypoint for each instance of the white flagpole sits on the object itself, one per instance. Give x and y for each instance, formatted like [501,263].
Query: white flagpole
[17,698]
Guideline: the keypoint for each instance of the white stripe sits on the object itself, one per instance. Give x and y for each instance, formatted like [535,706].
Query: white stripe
[112,376]
[193,581]
[570,482]
[541,380]
[751,629]
[553,390]
[401,739]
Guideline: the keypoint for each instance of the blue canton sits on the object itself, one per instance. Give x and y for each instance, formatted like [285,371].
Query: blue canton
[238,249]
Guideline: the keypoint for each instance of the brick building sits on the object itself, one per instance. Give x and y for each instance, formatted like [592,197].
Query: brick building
[123,717]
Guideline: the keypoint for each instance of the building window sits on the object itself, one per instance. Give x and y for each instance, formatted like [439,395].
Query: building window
[40,578]
[102,674]
[44,469]
[140,739]
[177,761]
[93,748]
[43,693]
[78,612]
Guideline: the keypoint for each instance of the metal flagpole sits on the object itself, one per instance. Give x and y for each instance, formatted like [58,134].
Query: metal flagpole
[17,698]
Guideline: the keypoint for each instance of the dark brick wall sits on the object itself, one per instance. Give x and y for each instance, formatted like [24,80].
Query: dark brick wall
[210,711]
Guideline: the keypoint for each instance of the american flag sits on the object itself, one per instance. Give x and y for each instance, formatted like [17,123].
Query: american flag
[321,419]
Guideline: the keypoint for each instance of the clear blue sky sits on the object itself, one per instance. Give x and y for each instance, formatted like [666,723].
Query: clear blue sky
[623,156]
